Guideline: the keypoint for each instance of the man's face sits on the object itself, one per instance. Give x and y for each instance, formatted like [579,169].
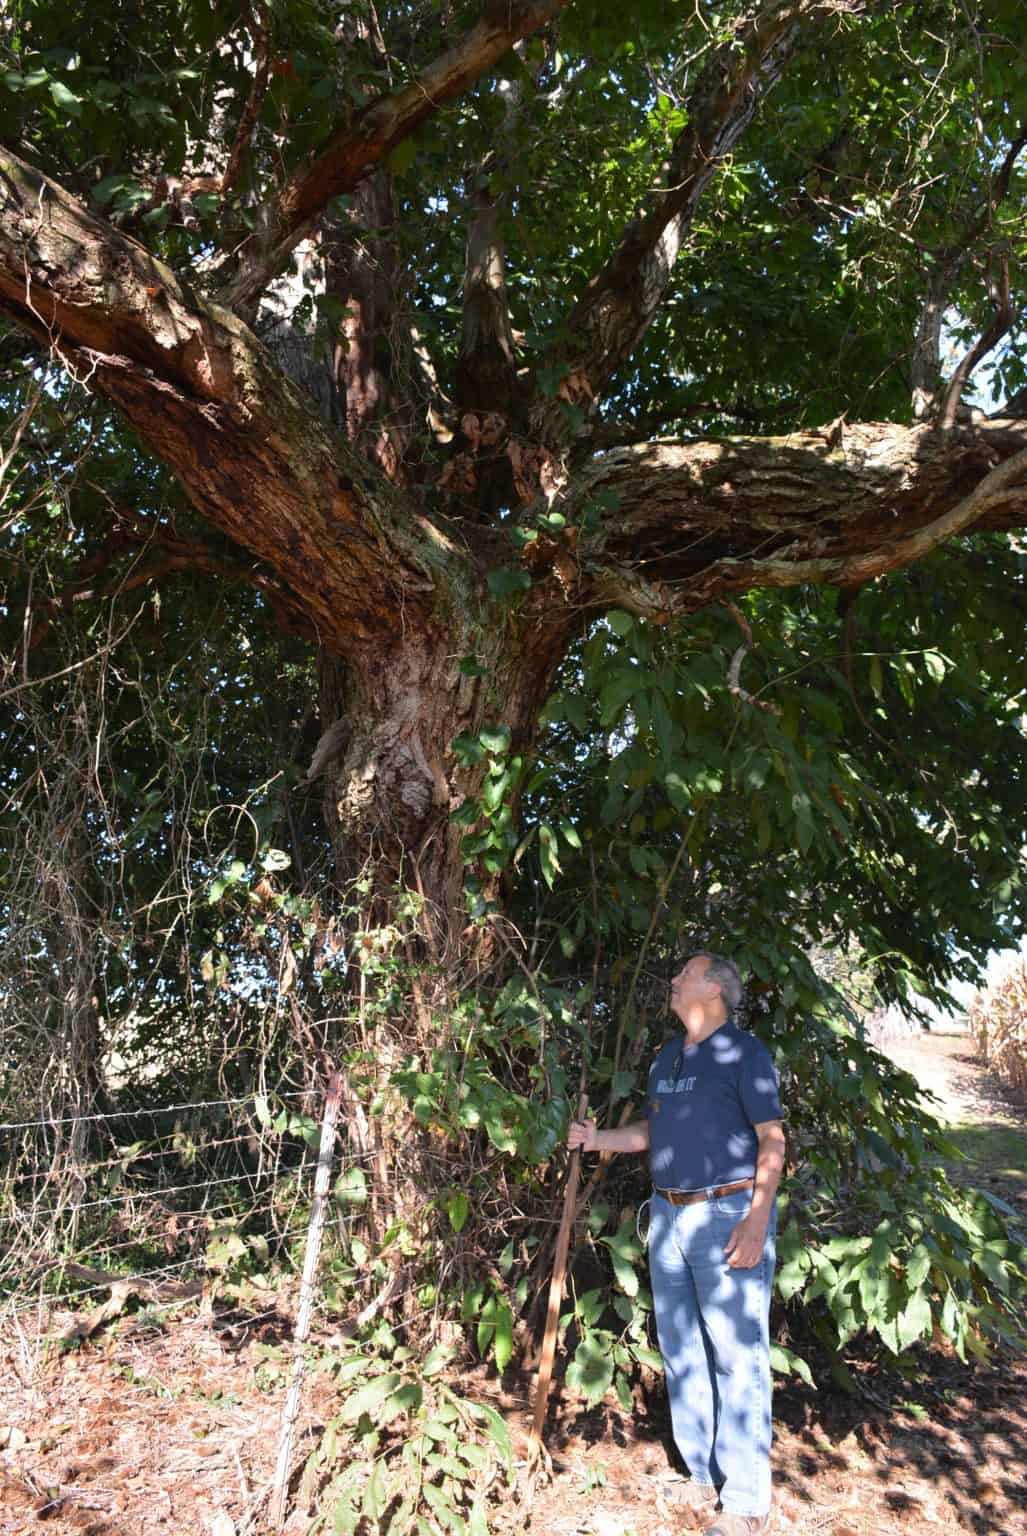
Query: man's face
[691,986]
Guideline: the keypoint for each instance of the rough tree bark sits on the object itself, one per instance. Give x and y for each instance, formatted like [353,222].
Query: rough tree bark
[381,559]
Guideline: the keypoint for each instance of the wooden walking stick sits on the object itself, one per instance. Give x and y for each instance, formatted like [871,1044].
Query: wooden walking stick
[545,1369]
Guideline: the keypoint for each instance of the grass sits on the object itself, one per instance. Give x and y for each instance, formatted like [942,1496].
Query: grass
[993,1150]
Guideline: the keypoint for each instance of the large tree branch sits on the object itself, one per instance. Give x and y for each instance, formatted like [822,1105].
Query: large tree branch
[378,375]
[621,300]
[697,522]
[357,145]
[204,395]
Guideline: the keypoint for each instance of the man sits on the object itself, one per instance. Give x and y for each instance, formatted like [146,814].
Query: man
[716,1149]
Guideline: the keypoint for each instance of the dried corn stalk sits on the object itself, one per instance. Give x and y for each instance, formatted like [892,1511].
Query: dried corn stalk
[998,1024]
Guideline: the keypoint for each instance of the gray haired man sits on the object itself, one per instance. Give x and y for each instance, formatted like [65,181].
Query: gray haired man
[716,1150]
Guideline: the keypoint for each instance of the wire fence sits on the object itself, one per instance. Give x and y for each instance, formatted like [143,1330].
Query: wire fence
[164,1198]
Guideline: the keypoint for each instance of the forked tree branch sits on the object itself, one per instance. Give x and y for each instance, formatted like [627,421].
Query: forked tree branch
[1002,322]
[486,376]
[357,145]
[696,522]
[948,263]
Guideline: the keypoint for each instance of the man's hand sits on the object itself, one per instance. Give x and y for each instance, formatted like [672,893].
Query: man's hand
[582,1133]
[744,1248]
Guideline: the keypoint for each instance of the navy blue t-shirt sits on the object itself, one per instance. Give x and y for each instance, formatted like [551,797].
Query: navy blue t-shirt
[703,1103]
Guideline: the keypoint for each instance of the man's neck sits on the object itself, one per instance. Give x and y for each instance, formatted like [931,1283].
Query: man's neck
[696,1031]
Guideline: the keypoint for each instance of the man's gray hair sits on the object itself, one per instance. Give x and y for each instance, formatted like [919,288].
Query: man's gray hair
[725,973]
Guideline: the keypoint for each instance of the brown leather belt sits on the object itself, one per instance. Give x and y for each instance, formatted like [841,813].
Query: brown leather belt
[694,1196]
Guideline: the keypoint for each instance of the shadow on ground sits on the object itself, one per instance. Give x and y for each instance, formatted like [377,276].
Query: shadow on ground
[940,1454]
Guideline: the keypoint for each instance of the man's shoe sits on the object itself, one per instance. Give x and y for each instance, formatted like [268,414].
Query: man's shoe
[729,1524]
[696,1502]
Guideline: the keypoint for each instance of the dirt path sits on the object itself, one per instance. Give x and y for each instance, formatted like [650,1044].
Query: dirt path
[152,1430]
[946,1066]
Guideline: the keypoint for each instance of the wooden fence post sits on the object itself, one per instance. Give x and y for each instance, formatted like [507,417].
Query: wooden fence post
[315,1232]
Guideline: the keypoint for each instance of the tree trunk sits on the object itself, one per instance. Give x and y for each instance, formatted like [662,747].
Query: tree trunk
[393,778]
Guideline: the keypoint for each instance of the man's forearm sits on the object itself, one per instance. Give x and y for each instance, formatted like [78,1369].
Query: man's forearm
[622,1138]
[770,1161]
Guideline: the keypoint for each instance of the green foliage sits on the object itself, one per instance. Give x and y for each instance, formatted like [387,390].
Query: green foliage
[405,1449]
[469,1081]
[612,1327]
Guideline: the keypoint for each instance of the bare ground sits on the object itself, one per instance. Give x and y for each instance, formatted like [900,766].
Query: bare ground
[151,1430]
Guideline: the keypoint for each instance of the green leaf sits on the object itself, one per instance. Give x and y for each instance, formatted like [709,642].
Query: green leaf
[620,622]
[458,1208]
[787,1364]
[919,1267]
[503,1345]
[477,1521]
[368,1398]
[497,1431]
[495,738]
[443,1509]
[66,99]
[622,1083]
[436,1359]
[402,157]
[591,1370]
[547,854]
[351,1187]
[792,1276]
[617,694]
[678,792]
[623,1248]
[507,581]
[377,1492]
[570,832]
[406,1399]
[914,1321]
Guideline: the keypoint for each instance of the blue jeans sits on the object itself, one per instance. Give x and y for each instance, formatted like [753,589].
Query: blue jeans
[713,1326]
